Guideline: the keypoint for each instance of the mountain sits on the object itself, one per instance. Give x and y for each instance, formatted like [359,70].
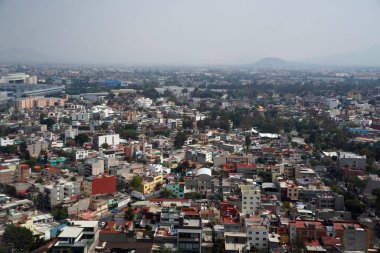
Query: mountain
[271,62]
[366,57]
[23,55]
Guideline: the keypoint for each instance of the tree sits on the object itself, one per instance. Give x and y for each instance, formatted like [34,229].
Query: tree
[355,207]
[59,213]
[166,193]
[248,141]
[105,146]
[136,183]
[218,246]
[49,122]
[180,139]
[82,138]
[129,215]
[21,238]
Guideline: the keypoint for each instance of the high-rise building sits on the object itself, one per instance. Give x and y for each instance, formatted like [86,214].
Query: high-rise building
[251,198]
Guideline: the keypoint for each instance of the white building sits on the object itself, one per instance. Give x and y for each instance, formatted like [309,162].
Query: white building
[111,139]
[333,103]
[251,198]
[80,116]
[258,236]
[6,142]
[71,133]
[3,96]
[81,154]
[144,102]
[19,78]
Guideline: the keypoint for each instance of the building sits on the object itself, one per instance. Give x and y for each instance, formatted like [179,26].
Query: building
[81,154]
[258,236]
[35,148]
[81,116]
[306,229]
[149,185]
[6,142]
[110,139]
[54,195]
[38,102]
[6,175]
[177,189]
[78,237]
[103,184]
[93,167]
[18,78]
[189,233]
[24,90]
[352,160]
[251,198]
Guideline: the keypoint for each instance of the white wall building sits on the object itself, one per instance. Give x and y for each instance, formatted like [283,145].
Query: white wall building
[258,236]
[144,102]
[80,116]
[111,139]
[6,142]
[251,198]
[19,78]
[81,154]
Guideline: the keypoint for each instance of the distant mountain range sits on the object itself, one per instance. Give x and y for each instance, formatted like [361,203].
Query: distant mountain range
[369,57]
[24,55]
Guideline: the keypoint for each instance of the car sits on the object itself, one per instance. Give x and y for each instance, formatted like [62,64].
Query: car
[115,210]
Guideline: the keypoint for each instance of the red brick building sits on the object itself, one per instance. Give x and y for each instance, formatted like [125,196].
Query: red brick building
[104,184]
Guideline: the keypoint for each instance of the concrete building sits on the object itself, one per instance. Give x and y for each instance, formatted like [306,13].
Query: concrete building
[18,78]
[6,175]
[258,236]
[79,237]
[352,160]
[251,198]
[92,167]
[38,102]
[81,116]
[189,236]
[36,147]
[6,142]
[111,139]
[54,195]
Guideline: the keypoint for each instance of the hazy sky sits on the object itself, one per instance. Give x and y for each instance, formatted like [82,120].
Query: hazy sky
[188,31]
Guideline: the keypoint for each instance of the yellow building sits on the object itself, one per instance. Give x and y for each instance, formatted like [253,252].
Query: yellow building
[149,185]
[87,187]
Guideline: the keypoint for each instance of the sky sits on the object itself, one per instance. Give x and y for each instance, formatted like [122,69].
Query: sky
[188,31]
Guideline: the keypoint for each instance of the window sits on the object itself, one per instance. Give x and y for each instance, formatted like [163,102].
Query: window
[264,233]
[257,238]
[257,233]
[250,232]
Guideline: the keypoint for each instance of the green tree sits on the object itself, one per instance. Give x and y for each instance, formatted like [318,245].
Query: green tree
[105,146]
[136,183]
[248,141]
[219,246]
[129,215]
[355,207]
[59,213]
[82,138]
[180,139]
[49,122]
[166,193]
[22,238]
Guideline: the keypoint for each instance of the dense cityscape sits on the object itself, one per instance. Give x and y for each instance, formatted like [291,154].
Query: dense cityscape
[250,158]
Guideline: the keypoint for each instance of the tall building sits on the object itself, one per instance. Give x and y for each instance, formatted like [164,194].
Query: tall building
[251,198]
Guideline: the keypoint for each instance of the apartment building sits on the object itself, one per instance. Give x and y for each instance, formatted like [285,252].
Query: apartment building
[258,236]
[251,198]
